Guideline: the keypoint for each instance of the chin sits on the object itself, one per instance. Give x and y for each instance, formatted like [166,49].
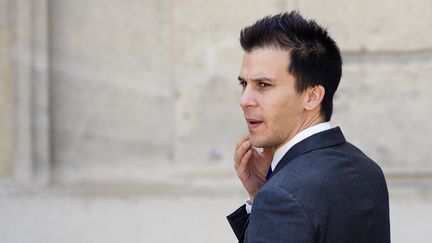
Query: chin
[263,142]
[253,140]
[258,142]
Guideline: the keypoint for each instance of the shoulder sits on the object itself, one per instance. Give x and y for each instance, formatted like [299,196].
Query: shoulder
[326,165]
[319,177]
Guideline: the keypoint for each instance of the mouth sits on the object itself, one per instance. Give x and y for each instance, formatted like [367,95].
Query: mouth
[253,123]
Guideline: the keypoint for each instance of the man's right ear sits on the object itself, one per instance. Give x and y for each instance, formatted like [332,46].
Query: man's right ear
[314,97]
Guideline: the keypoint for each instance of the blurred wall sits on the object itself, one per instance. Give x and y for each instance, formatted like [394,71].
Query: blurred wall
[6,102]
[104,89]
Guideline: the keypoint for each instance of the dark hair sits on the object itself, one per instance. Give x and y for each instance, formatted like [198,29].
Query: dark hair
[314,56]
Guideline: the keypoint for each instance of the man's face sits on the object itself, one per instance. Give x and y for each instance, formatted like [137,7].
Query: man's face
[271,105]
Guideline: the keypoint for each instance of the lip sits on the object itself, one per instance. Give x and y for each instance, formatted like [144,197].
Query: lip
[253,123]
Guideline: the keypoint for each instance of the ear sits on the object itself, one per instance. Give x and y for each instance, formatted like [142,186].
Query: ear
[314,97]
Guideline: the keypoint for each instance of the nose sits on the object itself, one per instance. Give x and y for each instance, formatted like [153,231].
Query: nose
[248,98]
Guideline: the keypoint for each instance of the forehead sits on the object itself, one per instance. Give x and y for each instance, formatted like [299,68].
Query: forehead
[267,61]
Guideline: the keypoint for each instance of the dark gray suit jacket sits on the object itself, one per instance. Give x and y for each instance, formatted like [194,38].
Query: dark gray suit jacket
[323,190]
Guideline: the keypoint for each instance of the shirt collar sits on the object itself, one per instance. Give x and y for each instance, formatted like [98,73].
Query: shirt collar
[280,152]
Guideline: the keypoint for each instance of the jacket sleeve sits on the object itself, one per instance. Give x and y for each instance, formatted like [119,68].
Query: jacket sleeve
[278,217]
[239,220]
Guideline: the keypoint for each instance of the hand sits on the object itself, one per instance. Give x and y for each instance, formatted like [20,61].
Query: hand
[252,166]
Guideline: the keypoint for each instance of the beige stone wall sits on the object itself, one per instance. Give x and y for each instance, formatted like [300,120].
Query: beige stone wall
[112,86]
[6,99]
[111,89]
[385,26]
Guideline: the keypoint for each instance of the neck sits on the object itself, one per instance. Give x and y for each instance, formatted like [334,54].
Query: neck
[309,121]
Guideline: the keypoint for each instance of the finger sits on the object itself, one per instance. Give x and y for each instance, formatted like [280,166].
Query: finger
[240,152]
[243,165]
[242,139]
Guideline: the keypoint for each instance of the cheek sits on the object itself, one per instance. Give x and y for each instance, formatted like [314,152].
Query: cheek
[280,106]
[282,119]
[283,113]
[277,114]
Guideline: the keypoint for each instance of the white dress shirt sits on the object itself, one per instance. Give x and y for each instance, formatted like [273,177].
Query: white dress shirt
[281,151]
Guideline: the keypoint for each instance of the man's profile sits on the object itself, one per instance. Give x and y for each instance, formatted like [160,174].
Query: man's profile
[308,184]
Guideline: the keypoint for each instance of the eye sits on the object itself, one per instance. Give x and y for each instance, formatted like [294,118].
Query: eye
[263,85]
[242,83]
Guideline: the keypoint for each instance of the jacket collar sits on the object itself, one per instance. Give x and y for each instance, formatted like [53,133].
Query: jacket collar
[319,140]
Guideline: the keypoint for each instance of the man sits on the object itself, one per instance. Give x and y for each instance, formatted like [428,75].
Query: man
[307,184]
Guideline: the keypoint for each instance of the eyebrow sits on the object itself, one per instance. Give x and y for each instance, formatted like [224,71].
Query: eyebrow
[257,79]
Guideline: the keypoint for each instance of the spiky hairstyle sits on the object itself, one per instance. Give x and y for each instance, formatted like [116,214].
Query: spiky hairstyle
[314,56]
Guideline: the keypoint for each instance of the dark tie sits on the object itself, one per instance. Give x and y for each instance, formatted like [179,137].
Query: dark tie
[269,173]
